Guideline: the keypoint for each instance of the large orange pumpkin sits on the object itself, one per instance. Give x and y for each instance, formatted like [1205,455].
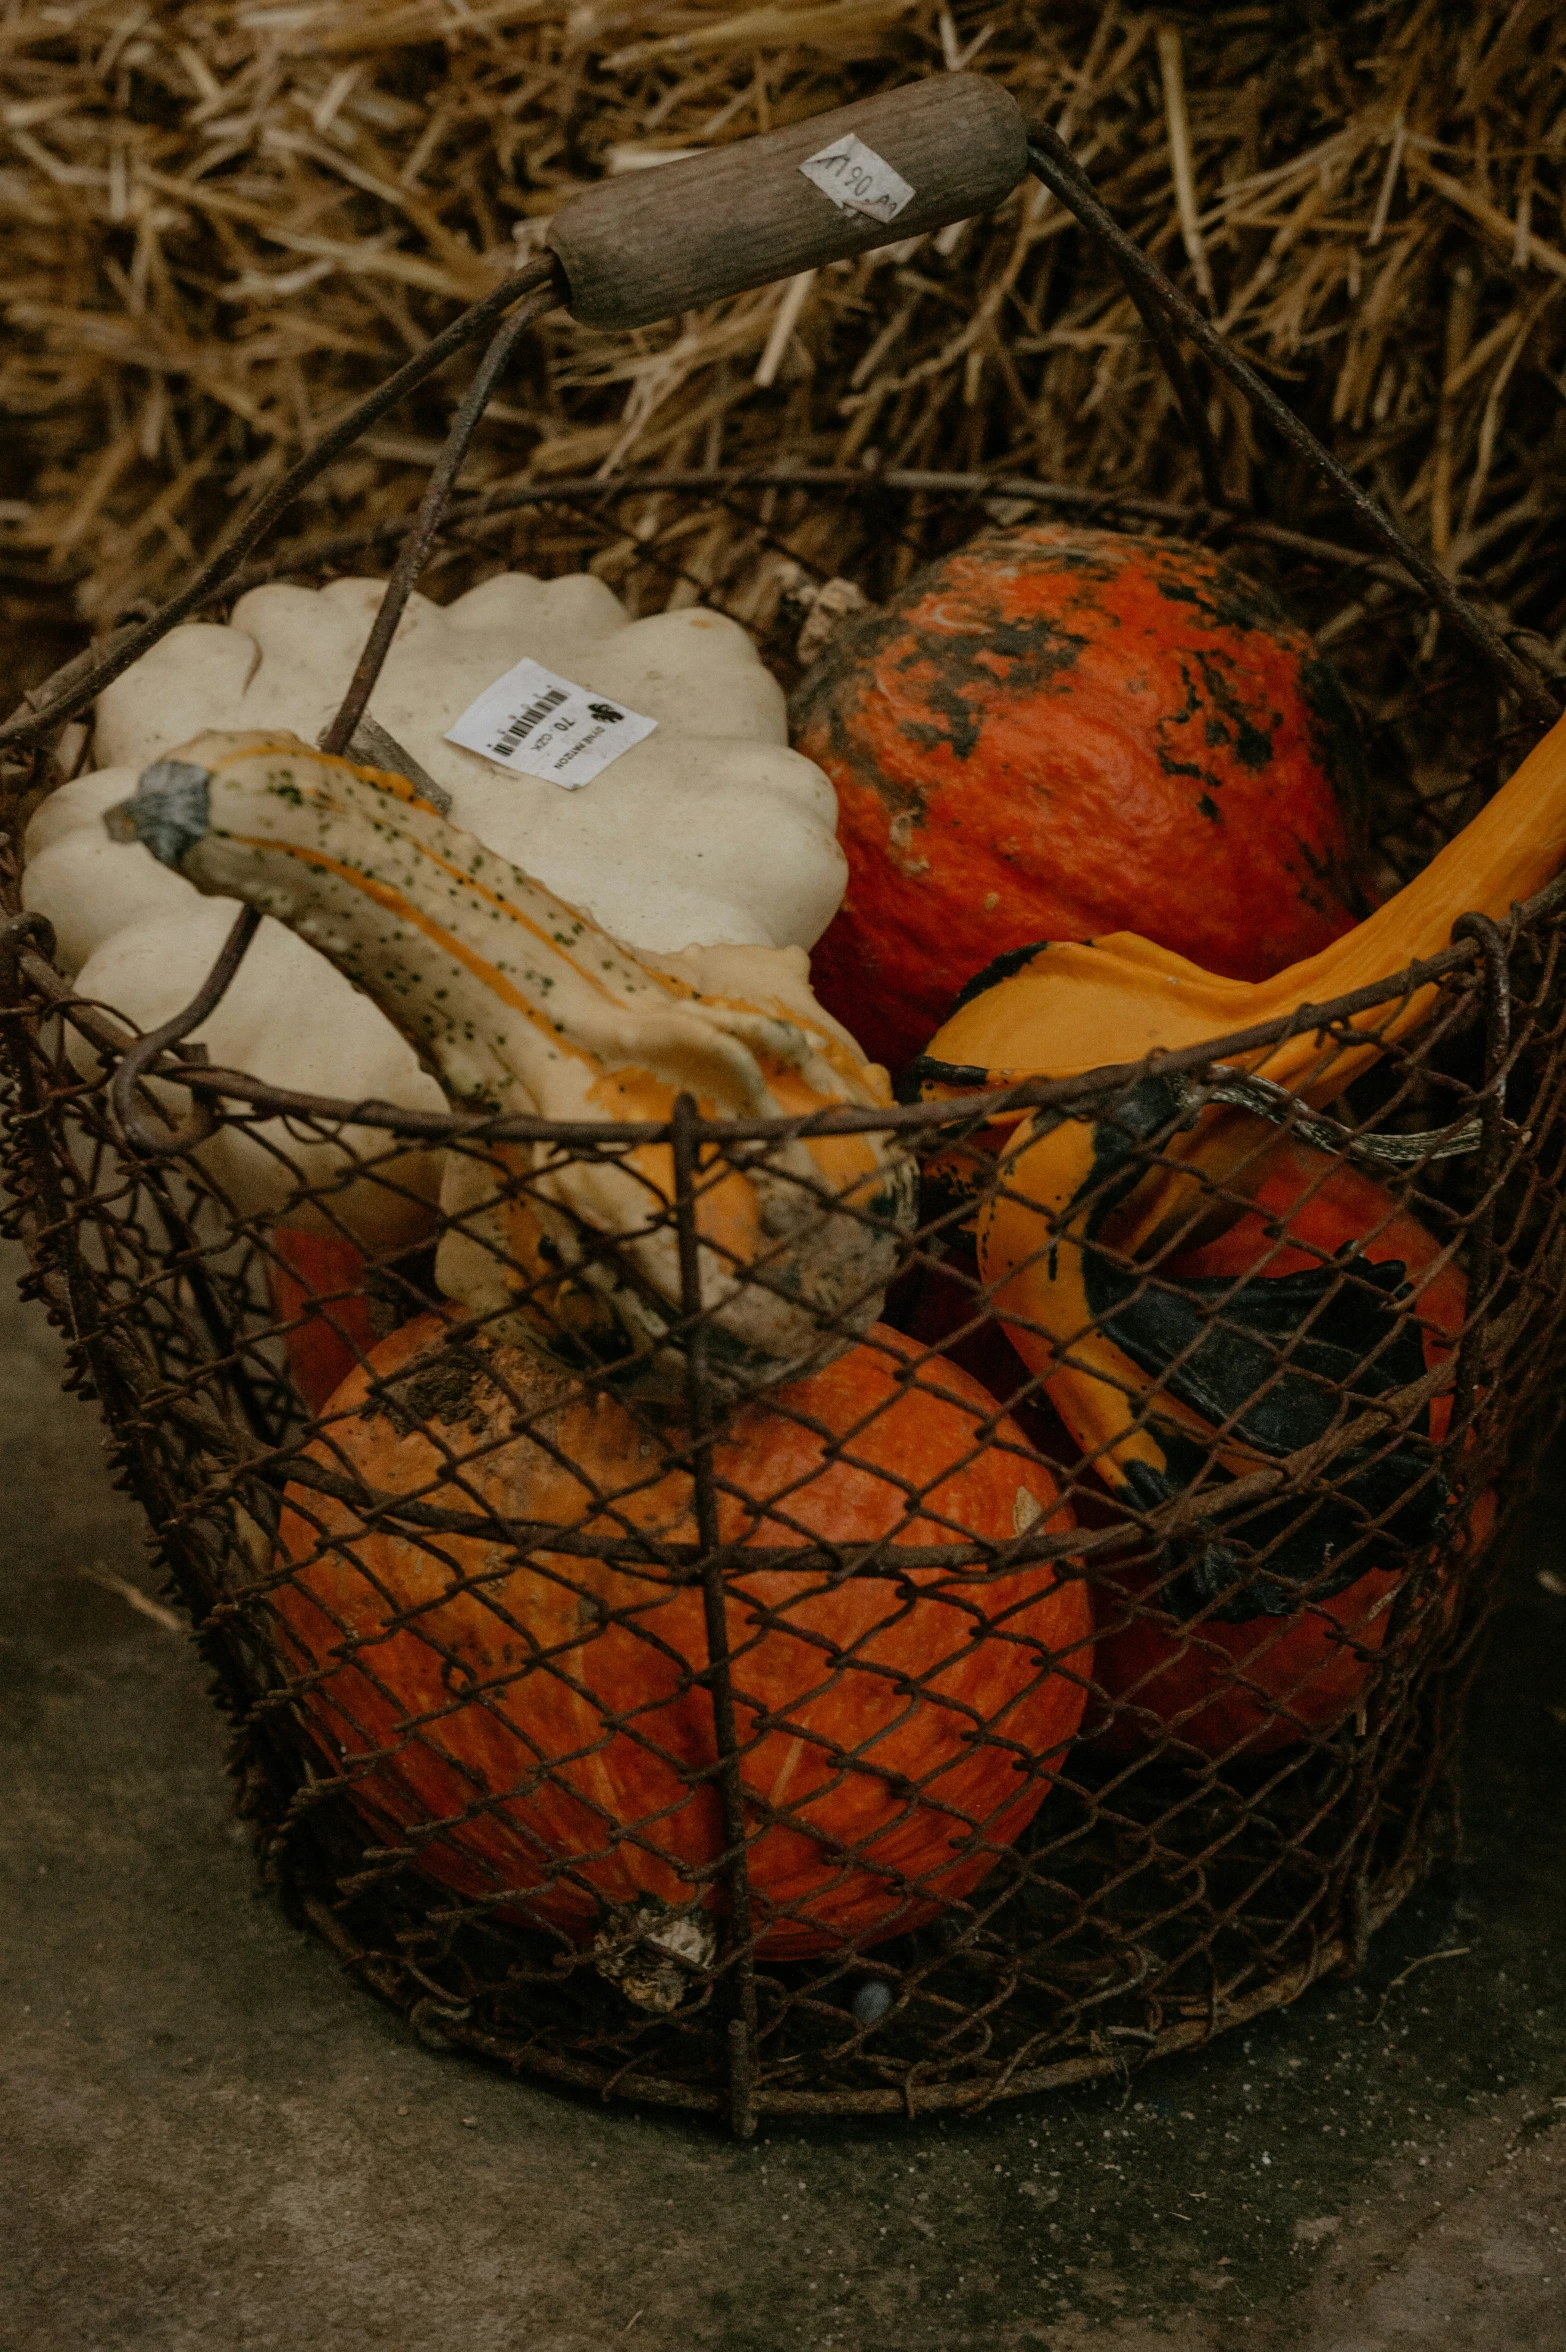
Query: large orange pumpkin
[533,1726]
[948,1314]
[1057,733]
[315,1281]
[1221,1685]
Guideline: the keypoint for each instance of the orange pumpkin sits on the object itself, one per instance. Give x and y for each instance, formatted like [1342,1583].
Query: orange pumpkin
[532,1727]
[1057,733]
[315,1283]
[1261,1683]
[948,1312]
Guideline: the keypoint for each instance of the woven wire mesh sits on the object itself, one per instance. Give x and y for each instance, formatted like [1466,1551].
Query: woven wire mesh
[859,1744]
[874,1742]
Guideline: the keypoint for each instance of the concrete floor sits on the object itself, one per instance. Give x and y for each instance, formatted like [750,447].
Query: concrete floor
[212,2141]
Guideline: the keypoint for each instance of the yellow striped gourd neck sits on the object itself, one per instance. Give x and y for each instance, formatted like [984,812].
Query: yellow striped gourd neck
[522,1006]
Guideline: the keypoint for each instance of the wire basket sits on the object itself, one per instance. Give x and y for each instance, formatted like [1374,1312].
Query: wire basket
[855,1746]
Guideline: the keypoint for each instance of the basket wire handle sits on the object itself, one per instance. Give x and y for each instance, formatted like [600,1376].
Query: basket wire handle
[414,553]
[1157,300]
[136,1128]
[540,279]
[1166,343]
[1057,167]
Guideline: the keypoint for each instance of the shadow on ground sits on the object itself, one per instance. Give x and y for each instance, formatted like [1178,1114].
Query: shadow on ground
[213,2142]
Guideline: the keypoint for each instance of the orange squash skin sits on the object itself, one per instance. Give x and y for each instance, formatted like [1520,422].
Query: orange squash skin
[1056,734]
[314,1283]
[562,1780]
[1268,1682]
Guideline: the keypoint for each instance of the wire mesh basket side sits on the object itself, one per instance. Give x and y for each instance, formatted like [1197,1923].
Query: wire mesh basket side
[1063,1662]
[1081,1856]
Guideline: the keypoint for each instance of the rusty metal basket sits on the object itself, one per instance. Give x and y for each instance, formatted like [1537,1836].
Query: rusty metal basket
[792,1763]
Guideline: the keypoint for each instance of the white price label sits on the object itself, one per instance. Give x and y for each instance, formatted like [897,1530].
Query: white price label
[544,726]
[858,180]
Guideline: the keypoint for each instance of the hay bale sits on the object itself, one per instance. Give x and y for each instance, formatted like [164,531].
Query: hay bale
[222,223]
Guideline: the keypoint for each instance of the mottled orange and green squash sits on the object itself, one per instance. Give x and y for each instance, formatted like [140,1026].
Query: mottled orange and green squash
[1271,1665]
[1058,733]
[1265,1667]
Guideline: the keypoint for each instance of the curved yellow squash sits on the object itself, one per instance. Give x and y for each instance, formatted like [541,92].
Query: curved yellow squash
[1077,1006]
[1071,1008]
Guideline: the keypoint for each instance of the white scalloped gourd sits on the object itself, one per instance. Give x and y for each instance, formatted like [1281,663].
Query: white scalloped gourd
[709,832]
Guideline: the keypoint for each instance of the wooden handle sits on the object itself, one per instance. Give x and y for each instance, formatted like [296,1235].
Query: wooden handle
[656,242]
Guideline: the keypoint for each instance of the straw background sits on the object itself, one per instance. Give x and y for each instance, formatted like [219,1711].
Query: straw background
[220,224]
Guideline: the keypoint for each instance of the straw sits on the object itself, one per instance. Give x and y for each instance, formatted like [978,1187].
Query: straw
[222,225]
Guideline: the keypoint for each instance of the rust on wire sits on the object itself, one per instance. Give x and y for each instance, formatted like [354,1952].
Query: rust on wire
[416,548]
[910,1119]
[701,1422]
[1243,1797]
[871,1744]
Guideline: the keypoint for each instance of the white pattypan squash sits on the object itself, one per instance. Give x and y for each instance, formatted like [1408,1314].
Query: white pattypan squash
[708,832]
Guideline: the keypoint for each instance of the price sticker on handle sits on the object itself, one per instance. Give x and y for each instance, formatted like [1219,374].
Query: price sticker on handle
[857,179]
[542,725]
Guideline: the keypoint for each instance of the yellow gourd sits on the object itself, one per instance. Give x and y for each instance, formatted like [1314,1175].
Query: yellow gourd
[1068,1188]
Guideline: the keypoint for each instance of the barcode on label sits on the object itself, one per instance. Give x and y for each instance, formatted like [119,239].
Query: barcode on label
[523,724]
[541,725]
[857,179]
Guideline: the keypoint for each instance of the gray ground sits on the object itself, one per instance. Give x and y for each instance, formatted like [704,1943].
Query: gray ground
[212,2141]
